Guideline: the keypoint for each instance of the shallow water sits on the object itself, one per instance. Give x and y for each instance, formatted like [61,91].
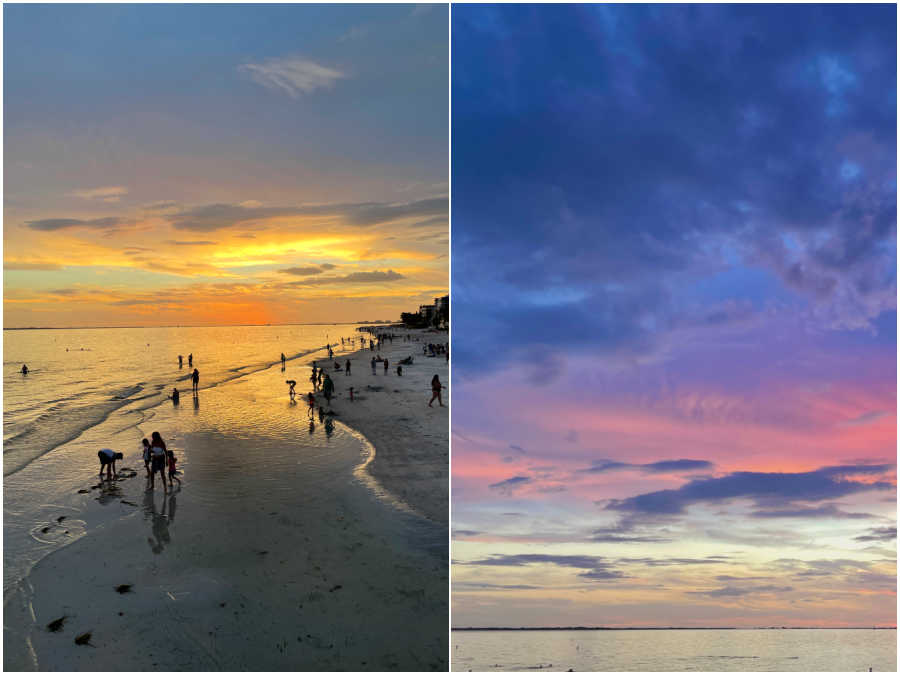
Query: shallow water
[74,403]
[797,650]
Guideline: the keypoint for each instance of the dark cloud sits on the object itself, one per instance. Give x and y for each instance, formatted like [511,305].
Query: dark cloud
[508,485]
[53,224]
[879,534]
[579,205]
[474,586]
[212,217]
[736,591]
[376,276]
[665,466]
[191,243]
[598,568]
[327,266]
[301,271]
[824,511]
[782,489]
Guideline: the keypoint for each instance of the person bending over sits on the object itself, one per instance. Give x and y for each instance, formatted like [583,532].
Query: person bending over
[108,461]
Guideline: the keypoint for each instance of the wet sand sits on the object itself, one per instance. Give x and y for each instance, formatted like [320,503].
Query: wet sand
[412,441]
[270,555]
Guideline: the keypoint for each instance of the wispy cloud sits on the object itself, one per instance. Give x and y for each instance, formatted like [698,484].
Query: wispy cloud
[106,194]
[52,224]
[292,75]
[375,276]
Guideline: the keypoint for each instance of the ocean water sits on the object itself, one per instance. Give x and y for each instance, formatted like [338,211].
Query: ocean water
[93,388]
[743,650]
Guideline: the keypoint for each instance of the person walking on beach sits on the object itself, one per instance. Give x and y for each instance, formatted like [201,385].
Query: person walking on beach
[146,454]
[108,461]
[347,368]
[328,388]
[311,400]
[436,391]
[175,396]
[373,365]
[190,360]
[180,361]
[171,459]
[195,380]
[157,459]
[291,384]
[385,366]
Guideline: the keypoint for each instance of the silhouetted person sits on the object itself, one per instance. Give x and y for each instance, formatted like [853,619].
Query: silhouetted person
[195,380]
[373,365]
[108,461]
[282,360]
[190,360]
[399,371]
[435,391]
[180,361]
[291,384]
[146,455]
[311,400]
[321,414]
[328,388]
[24,369]
[175,396]
[157,459]
[329,426]
[347,368]
[385,366]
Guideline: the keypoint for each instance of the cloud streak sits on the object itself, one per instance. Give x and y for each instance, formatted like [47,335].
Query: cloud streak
[292,75]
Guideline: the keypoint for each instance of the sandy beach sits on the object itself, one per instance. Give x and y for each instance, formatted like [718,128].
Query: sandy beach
[412,441]
[274,552]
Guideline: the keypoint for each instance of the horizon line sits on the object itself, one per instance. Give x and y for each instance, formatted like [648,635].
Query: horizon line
[207,325]
[473,628]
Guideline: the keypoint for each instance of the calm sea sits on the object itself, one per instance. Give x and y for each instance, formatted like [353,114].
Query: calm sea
[797,650]
[94,388]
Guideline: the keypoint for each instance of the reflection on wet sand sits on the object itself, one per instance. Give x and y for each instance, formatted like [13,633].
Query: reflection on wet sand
[160,519]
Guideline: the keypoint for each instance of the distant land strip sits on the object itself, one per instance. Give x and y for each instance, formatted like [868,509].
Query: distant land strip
[686,628]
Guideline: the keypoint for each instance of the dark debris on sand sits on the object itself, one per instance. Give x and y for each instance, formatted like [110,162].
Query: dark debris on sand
[56,625]
[84,639]
[123,588]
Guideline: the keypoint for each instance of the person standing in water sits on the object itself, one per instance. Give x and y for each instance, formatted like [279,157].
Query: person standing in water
[328,388]
[24,369]
[146,454]
[282,360]
[195,380]
[157,459]
[311,400]
[291,384]
[436,391]
[175,396]
[347,368]
[180,361]
[190,360]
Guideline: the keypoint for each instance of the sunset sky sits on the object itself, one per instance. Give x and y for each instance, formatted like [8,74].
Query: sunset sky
[219,164]
[674,289]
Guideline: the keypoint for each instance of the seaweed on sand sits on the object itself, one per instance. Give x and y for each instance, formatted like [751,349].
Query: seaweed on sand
[84,639]
[56,625]
[123,588]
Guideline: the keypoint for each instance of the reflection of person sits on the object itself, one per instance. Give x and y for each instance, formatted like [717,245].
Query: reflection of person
[108,461]
[159,521]
[311,400]
[436,391]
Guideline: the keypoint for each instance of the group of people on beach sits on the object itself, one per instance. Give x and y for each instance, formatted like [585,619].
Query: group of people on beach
[195,380]
[157,459]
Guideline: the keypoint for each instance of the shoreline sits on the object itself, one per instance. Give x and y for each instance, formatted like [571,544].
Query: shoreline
[411,449]
[309,553]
